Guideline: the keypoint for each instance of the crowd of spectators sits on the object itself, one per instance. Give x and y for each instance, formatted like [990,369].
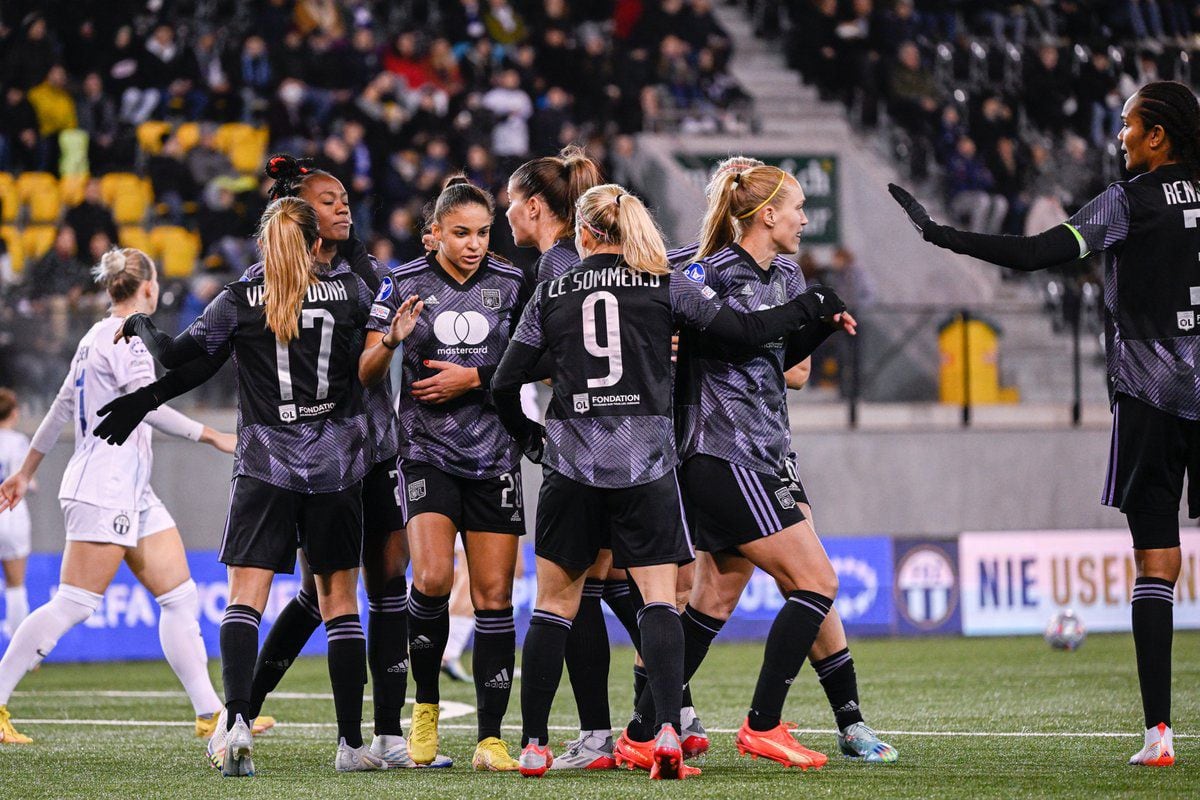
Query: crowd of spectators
[391,96]
[1011,108]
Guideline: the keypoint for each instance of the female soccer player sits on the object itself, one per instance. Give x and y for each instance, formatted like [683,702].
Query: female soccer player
[541,212]
[303,449]
[14,526]
[1147,227]
[460,470]
[733,441]
[830,654]
[385,546]
[111,511]
[609,448]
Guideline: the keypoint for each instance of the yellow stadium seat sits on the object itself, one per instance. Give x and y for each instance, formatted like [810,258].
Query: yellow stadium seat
[129,196]
[245,145]
[72,188]
[16,251]
[39,191]
[36,240]
[135,237]
[188,135]
[150,136]
[177,250]
[9,200]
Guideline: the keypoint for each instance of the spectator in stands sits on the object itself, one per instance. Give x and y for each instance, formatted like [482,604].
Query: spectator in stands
[1047,104]
[216,71]
[20,144]
[60,272]
[174,184]
[97,114]
[1010,171]
[899,24]
[30,57]
[858,53]
[1099,99]
[504,24]
[403,235]
[970,190]
[381,248]
[513,108]
[91,216]
[319,16]
[257,77]
[206,161]
[993,122]
[814,44]
[53,104]
[913,95]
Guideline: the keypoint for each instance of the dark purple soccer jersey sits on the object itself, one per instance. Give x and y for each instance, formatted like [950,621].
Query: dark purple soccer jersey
[377,399]
[301,423]
[555,262]
[1148,228]
[608,330]
[464,323]
[734,405]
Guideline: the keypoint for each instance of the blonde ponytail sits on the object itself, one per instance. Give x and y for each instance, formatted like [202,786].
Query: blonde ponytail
[121,271]
[614,216]
[286,235]
[736,199]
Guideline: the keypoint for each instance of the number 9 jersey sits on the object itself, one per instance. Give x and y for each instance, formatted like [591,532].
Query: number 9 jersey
[301,422]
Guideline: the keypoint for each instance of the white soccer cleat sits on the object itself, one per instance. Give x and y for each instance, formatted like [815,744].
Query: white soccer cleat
[692,734]
[586,752]
[1159,750]
[356,759]
[394,750]
[239,747]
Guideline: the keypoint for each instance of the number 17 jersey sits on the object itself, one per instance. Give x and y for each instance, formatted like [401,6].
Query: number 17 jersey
[301,422]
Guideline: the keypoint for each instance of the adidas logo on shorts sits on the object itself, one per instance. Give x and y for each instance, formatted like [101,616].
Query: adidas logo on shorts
[516,517]
[502,680]
[420,643]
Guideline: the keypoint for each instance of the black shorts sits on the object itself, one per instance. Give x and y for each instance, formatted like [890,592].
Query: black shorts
[1149,454]
[494,505]
[793,475]
[383,505]
[266,524]
[643,524]
[729,505]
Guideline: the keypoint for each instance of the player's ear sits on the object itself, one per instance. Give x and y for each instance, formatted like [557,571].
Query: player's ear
[533,207]
[316,248]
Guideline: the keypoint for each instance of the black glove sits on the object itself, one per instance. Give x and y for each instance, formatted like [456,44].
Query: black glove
[129,326]
[533,442]
[820,302]
[124,414]
[916,212]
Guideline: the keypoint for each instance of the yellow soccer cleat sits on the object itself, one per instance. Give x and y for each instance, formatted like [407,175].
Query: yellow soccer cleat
[9,734]
[205,727]
[423,738]
[491,755]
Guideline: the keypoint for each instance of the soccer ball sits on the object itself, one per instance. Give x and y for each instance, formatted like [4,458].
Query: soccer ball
[1065,631]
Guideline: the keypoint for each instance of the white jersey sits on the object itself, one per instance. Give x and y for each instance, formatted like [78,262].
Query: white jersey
[98,473]
[14,523]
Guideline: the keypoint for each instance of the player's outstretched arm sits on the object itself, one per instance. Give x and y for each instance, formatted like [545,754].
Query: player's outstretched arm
[170,352]
[1059,245]
[123,414]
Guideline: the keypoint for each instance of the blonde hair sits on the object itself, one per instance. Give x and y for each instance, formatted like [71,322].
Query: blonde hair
[121,271]
[737,197]
[731,164]
[286,235]
[614,216]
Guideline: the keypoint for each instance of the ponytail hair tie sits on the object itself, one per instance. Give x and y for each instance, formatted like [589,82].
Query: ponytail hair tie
[617,199]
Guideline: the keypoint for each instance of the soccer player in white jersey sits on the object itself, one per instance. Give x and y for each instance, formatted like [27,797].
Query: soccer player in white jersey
[111,512]
[14,526]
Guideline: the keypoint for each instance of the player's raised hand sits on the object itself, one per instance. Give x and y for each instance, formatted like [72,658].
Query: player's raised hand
[403,321]
[912,206]
[13,490]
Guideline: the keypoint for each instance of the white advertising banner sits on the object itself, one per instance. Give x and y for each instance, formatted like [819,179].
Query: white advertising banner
[1014,581]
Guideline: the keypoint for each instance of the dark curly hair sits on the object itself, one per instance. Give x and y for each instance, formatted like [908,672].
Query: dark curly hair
[289,174]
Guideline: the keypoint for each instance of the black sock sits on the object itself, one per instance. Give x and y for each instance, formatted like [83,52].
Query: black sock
[588,659]
[840,683]
[1153,629]
[687,695]
[639,683]
[662,640]
[387,655]
[348,674]
[239,649]
[541,670]
[493,657]
[699,630]
[791,637]
[428,629]
[624,604]
[292,629]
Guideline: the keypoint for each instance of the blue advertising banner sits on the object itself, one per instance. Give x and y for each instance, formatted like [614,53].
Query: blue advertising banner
[125,627]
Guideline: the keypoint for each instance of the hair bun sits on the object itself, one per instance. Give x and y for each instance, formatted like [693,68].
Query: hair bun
[112,264]
[456,180]
[282,167]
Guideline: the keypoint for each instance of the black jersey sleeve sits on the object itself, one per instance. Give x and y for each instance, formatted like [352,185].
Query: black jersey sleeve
[524,361]
[215,326]
[696,306]
[169,351]
[1103,221]
[803,343]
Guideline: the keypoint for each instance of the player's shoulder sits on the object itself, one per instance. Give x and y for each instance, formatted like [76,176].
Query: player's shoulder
[682,256]
[504,269]
[708,269]
[410,268]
